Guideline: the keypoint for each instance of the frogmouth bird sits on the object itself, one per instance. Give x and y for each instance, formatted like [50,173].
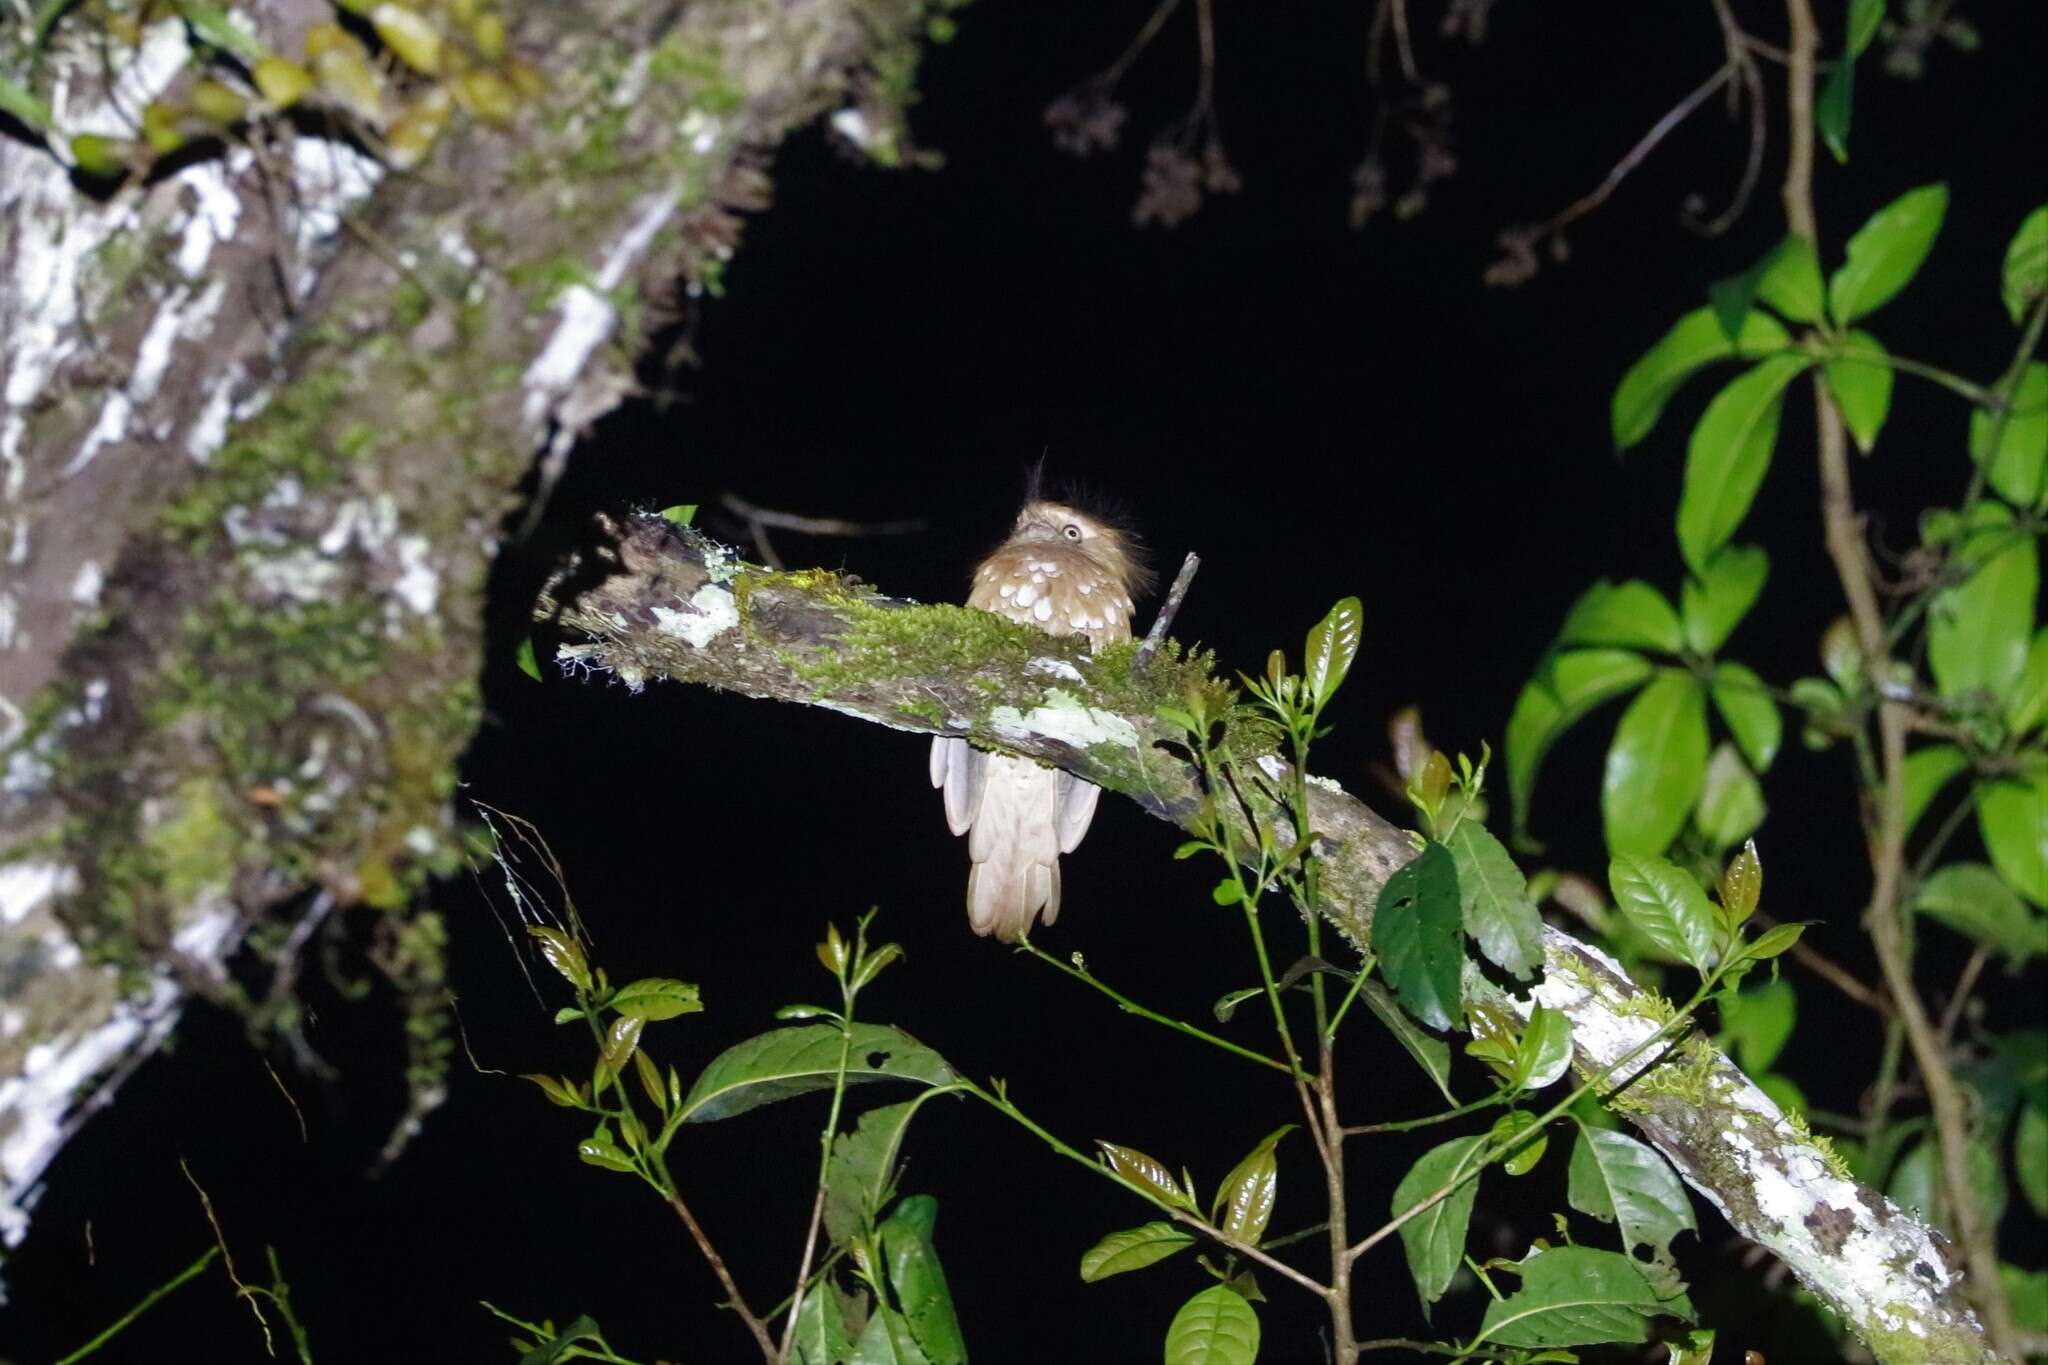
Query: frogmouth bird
[1067,572]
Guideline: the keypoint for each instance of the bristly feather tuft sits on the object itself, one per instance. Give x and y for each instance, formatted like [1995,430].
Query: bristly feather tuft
[1102,506]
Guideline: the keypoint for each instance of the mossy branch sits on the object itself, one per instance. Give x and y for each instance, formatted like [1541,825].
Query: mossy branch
[659,602]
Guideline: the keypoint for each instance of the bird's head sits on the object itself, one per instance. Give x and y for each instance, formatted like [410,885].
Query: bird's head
[1105,539]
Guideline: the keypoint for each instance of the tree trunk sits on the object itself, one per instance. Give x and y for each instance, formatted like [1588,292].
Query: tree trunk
[264,406]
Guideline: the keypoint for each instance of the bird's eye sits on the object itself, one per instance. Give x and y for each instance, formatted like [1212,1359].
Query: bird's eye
[1072,532]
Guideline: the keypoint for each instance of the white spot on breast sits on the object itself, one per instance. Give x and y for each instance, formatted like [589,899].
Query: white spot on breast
[1095,623]
[1037,577]
[1042,609]
[1110,611]
[1025,592]
[1052,570]
[1079,620]
[1008,588]
[1087,588]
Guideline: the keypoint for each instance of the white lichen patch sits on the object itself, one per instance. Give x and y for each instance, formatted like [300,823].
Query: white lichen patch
[26,885]
[713,611]
[1066,719]
[418,586]
[87,583]
[1055,668]
[586,314]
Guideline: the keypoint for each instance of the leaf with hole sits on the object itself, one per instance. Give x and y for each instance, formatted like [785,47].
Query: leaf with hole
[1619,1180]
[1418,932]
[1577,1296]
[794,1061]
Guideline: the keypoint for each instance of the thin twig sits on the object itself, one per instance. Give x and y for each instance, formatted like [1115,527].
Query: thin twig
[1965,984]
[818,526]
[1646,144]
[1130,1006]
[734,1300]
[1175,595]
[1831,971]
[228,1257]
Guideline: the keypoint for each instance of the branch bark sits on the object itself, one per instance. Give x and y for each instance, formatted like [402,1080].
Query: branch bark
[656,603]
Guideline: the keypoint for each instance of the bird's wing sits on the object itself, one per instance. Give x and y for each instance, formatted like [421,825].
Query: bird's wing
[1077,809]
[961,771]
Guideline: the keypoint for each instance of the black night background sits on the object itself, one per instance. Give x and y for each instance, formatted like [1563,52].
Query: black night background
[1318,412]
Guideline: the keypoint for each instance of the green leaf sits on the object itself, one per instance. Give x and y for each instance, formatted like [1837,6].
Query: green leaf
[794,1061]
[563,954]
[558,1092]
[1917,1184]
[1245,1198]
[600,1151]
[2012,815]
[1631,615]
[1728,455]
[1576,1296]
[1618,1180]
[1758,1022]
[1509,1127]
[1925,773]
[655,997]
[1132,1249]
[1569,686]
[1433,1055]
[2012,447]
[560,1346]
[2025,277]
[1498,914]
[1655,766]
[682,514]
[860,1178]
[2030,1158]
[2027,1292]
[1974,901]
[1772,942]
[1694,340]
[887,1340]
[1215,1327]
[821,1336]
[2027,705]
[1750,712]
[524,658]
[1417,929]
[1886,252]
[1791,281]
[1332,646]
[919,1282]
[1134,1165]
[1227,892]
[1545,1052]
[1979,630]
[1731,801]
[211,25]
[1714,601]
[1666,905]
[1834,106]
[1692,1348]
[1860,377]
[1435,1238]
[22,105]
[1866,17]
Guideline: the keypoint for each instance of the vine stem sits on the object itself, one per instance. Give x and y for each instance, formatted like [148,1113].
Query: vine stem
[803,1270]
[1843,532]
[1180,1213]
[1130,1006]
